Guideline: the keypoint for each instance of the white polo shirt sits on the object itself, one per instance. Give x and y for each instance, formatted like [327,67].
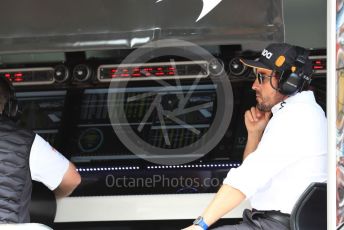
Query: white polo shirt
[291,154]
[47,165]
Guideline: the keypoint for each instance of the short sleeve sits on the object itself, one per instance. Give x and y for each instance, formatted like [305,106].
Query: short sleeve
[47,165]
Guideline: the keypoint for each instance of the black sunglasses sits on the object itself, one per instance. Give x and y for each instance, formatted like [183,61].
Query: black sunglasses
[261,76]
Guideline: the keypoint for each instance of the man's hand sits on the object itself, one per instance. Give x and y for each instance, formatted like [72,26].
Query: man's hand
[225,200]
[193,227]
[256,121]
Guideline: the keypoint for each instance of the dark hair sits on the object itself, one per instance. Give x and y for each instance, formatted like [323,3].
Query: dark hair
[4,94]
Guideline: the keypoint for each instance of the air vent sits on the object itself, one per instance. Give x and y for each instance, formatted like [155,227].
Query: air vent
[237,68]
[61,73]
[81,73]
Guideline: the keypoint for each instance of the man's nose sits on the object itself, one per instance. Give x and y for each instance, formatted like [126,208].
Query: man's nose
[255,84]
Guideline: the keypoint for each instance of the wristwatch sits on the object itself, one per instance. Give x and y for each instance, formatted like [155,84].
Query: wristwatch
[200,222]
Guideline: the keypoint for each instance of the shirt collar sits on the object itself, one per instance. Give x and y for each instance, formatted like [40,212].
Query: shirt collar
[304,96]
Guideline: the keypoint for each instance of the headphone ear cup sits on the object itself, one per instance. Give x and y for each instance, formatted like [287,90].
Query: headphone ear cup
[13,108]
[7,109]
[289,83]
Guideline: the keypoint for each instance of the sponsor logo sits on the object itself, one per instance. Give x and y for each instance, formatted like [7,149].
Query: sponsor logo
[267,54]
[208,5]
[292,84]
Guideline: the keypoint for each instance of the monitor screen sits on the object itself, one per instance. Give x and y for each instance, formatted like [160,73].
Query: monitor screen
[96,136]
[150,116]
[41,111]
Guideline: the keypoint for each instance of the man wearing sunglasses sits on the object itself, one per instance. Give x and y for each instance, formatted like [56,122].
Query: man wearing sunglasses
[286,146]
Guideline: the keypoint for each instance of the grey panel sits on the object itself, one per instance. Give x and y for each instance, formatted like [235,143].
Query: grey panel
[42,25]
[305,22]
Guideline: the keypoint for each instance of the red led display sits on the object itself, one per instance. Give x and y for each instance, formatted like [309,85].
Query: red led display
[15,76]
[138,72]
[147,71]
[29,76]
[319,64]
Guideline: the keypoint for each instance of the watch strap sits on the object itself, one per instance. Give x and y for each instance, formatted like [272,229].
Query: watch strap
[200,222]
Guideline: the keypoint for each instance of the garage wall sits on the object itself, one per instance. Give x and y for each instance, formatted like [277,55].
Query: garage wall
[305,22]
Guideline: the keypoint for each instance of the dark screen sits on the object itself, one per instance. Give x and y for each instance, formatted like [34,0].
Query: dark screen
[42,112]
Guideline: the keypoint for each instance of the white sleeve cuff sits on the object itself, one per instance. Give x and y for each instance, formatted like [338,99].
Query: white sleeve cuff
[47,165]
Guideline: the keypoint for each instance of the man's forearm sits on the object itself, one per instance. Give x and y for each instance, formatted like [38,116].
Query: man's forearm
[59,192]
[251,145]
[225,200]
[71,179]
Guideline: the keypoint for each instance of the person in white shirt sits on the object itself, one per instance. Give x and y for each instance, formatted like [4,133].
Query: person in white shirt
[286,147]
[25,156]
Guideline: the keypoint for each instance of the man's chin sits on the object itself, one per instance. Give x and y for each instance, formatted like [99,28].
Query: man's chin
[263,108]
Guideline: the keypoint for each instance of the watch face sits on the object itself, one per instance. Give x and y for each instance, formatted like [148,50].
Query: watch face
[198,220]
